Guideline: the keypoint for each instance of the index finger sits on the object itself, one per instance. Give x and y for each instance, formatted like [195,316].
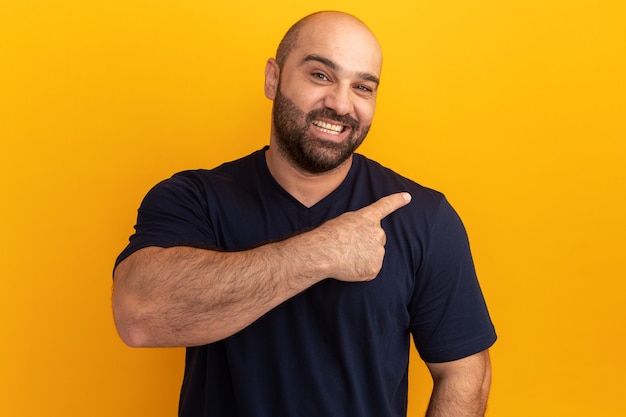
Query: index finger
[387,205]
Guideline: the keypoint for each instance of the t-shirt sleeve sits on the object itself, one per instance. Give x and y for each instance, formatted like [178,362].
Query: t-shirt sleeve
[173,213]
[449,317]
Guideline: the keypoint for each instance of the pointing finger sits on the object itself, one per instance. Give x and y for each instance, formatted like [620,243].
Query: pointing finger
[387,205]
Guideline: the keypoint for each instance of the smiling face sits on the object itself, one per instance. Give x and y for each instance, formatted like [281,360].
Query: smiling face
[308,140]
[325,93]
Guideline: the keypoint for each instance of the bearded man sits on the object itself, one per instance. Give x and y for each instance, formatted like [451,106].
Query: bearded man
[295,276]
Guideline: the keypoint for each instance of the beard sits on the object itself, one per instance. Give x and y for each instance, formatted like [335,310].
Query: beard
[306,151]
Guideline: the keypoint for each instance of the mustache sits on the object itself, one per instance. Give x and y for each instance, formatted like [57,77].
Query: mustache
[332,115]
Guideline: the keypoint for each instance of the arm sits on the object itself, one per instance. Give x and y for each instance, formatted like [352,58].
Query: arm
[461,387]
[185,296]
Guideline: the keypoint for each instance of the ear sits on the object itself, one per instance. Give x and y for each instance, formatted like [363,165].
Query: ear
[272,74]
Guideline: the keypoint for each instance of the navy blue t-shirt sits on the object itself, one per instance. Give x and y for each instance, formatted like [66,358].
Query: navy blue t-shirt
[338,348]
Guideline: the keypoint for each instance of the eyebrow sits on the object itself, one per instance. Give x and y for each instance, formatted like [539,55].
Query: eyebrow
[330,64]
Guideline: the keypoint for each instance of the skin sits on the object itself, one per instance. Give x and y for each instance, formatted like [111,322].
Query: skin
[461,387]
[335,65]
[185,296]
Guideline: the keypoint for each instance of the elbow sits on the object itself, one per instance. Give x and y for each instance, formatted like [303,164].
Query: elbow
[130,308]
[129,323]
[132,334]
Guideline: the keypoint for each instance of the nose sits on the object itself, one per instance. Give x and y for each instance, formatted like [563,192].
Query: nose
[339,99]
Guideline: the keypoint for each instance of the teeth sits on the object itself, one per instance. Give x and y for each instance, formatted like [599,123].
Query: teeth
[328,128]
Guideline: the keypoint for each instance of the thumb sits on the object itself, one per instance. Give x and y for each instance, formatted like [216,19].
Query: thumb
[387,205]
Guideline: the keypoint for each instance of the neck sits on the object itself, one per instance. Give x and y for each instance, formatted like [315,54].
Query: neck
[307,188]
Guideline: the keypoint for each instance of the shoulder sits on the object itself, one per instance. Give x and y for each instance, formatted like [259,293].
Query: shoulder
[385,181]
[207,181]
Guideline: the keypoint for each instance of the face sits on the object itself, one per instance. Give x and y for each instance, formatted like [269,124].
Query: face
[309,150]
[325,95]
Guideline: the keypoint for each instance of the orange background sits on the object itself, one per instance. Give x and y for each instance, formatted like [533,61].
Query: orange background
[516,110]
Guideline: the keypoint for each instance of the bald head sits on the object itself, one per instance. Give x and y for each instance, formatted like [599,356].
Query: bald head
[323,82]
[338,22]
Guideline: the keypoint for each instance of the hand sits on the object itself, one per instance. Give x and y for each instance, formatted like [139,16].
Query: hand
[354,243]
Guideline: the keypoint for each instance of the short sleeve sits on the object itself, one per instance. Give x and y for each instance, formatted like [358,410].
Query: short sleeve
[173,213]
[449,317]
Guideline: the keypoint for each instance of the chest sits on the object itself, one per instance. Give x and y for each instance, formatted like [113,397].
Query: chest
[243,220]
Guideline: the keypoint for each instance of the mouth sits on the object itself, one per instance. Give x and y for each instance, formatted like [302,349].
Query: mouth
[330,128]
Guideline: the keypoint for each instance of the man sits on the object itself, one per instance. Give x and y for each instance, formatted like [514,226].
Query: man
[296,275]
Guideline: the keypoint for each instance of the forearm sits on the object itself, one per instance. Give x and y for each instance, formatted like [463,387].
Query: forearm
[461,388]
[185,296]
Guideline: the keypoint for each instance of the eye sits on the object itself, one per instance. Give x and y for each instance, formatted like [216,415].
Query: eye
[365,90]
[320,76]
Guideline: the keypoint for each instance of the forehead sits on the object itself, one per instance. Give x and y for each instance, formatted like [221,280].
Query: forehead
[344,41]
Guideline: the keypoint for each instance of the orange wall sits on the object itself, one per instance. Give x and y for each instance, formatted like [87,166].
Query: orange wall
[514,109]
